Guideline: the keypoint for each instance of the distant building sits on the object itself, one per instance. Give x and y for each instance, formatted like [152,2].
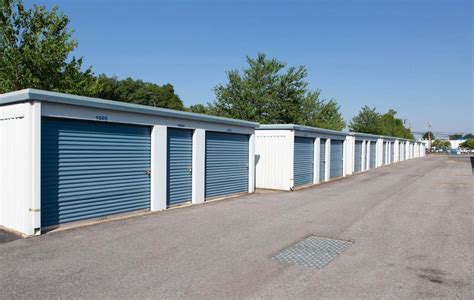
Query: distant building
[455,143]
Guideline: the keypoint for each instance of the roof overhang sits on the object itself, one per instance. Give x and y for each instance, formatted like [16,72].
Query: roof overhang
[53,97]
[301,128]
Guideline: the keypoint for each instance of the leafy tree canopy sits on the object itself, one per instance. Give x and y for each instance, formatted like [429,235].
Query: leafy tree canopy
[456,136]
[441,144]
[428,135]
[199,108]
[370,121]
[268,92]
[468,144]
[138,92]
[468,136]
[36,47]
[367,121]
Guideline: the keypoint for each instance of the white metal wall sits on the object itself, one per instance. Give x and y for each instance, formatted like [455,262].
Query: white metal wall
[379,156]
[19,177]
[349,147]
[273,159]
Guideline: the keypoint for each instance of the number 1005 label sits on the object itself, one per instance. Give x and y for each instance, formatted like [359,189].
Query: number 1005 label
[101,118]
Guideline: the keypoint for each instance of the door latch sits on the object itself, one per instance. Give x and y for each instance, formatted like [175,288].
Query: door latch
[147,172]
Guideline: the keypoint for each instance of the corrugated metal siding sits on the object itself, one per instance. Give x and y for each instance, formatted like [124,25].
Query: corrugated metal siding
[273,159]
[373,154]
[358,156]
[227,157]
[336,167]
[303,160]
[92,169]
[15,167]
[180,162]
[322,160]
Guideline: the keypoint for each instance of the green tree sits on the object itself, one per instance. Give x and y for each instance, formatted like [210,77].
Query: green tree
[468,144]
[268,92]
[370,121]
[327,115]
[367,121]
[392,126]
[468,136]
[199,108]
[456,136]
[441,144]
[428,135]
[35,51]
[138,92]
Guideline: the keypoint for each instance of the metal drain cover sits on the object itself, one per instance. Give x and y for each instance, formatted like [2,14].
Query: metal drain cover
[313,252]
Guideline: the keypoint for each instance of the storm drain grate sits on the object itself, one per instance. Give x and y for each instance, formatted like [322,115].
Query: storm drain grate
[313,252]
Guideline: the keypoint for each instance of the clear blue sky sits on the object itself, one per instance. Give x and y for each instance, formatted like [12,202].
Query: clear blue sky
[413,56]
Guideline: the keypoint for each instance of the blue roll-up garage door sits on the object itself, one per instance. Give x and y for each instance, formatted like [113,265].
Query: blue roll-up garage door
[358,156]
[384,159]
[366,156]
[92,169]
[392,152]
[322,160]
[227,157]
[303,160]
[336,166]
[180,161]
[373,154]
[402,151]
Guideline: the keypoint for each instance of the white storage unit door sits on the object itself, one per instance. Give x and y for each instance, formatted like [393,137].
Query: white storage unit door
[227,168]
[303,160]
[92,169]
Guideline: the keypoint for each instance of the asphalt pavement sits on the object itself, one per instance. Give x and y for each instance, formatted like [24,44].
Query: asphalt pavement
[411,224]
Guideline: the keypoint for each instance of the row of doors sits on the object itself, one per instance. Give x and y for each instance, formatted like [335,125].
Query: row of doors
[385,160]
[303,160]
[360,157]
[93,169]
[388,148]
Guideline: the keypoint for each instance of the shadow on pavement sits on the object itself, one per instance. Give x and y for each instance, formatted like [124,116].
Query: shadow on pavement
[6,236]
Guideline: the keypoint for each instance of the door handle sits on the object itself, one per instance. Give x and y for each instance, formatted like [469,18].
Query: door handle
[190,170]
[147,172]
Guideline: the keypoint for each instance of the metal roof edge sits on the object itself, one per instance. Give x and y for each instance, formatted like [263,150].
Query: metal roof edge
[300,127]
[63,98]
[365,134]
[380,136]
[14,97]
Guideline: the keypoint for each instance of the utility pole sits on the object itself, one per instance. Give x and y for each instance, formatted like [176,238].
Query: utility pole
[429,137]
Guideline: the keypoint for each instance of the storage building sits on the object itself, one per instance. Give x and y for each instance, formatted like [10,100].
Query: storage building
[365,148]
[389,149]
[67,158]
[290,156]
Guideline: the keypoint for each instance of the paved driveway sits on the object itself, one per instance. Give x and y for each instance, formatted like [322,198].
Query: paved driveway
[411,224]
